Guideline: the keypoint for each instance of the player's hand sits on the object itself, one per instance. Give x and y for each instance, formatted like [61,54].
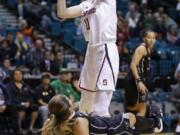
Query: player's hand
[142,88]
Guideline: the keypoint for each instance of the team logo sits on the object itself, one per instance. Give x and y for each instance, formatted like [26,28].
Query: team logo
[105,82]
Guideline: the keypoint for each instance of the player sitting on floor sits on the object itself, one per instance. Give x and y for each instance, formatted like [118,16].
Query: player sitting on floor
[65,121]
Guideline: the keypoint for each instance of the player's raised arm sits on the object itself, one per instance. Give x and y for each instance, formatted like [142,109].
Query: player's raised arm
[64,12]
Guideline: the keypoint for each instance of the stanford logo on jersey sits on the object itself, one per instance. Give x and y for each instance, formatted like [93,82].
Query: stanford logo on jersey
[105,82]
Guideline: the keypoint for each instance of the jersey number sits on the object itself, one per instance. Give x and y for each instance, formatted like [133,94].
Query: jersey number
[86,21]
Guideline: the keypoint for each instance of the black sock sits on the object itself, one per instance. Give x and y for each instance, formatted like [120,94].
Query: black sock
[143,123]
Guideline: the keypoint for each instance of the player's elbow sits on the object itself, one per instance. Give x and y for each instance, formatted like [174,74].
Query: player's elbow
[62,15]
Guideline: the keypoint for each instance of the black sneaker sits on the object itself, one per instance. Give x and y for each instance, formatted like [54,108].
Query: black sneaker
[156,113]
[153,111]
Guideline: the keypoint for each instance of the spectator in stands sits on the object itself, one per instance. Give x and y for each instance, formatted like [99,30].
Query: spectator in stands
[69,76]
[159,27]
[33,4]
[46,21]
[43,93]
[6,109]
[57,63]
[54,49]
[133,17]
[168,21]
[62,84]
[34,36]
[46,63]
[22,49]
[122,29]
[160,12]
[4,50]
[146,19]
[22,98]
[12,46]
[35,56]
[80,59]
[27,31]
[75,86]
[6,68]
[172,34]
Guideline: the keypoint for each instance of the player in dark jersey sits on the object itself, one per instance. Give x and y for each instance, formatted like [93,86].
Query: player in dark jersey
[136,88]
[64,121]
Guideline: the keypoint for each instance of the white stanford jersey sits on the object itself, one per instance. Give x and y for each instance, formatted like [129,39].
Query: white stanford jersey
[101,66]
[99,20]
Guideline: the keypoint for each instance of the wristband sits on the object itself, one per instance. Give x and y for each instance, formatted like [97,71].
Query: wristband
[138,80]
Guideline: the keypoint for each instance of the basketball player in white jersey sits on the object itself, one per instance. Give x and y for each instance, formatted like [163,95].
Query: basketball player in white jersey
[101,66]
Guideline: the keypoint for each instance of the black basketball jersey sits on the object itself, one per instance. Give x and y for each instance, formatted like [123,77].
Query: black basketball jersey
[104,125]
[144,65]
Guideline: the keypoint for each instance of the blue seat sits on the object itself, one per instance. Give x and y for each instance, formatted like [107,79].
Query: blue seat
[122,6]
[73,2]
[154,68]
[132,43]
[55,29]
[166,66]
[174,54]
[3,32]
[69,27]
[80,45]
[68,38]
[173,13]
[12,3]
[13,30]
[123,9]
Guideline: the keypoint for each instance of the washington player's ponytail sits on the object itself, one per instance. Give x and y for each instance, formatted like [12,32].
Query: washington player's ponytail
[57,123]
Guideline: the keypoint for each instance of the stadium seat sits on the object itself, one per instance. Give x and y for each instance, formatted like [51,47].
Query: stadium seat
[80,45]
[68,38]
[12,3]
[165,67]
[173,13]
[69,27]
[55,29]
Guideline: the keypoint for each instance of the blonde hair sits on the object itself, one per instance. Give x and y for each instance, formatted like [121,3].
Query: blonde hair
[57,124]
